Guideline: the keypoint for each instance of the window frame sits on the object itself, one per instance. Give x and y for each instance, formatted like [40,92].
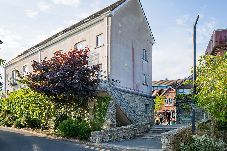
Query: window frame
[145,80]
[101,41]
[144,55]
[14,77]
[25,72]
[81,42]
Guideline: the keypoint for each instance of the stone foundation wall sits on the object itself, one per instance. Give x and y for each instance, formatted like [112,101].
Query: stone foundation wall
[138,107]
[119,133]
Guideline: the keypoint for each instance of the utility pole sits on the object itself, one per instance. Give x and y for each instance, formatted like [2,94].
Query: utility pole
[194,77]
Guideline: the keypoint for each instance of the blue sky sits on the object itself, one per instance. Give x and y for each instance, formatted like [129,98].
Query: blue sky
[24,23]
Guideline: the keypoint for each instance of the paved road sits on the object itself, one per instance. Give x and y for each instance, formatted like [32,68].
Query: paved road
[11,141]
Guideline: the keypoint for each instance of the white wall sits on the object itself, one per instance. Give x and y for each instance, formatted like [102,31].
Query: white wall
[129,30]
[89,34]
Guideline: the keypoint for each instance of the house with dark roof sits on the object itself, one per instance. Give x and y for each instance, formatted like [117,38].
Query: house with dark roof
[120,39]
[179,85]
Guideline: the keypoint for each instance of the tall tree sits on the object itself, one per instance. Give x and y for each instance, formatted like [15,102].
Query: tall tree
[66,77]
[212,85]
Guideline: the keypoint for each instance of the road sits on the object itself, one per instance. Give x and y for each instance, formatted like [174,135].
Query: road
[11,141]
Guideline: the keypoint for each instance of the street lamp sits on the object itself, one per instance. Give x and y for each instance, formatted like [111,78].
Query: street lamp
[194,77]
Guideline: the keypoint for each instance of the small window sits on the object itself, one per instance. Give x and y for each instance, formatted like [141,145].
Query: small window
[25,69]
[145,55]
[80,45]
[99,40]
[144,79]
[14,77]
[147,108]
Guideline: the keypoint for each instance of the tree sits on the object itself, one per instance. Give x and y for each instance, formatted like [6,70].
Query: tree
[159,102]
[212,86]
[66,77]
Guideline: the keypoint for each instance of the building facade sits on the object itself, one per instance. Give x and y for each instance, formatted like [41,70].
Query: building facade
[218,43]
[120,39]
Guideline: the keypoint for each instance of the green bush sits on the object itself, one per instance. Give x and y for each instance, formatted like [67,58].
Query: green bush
[26,108]
[74,128]
[69,128]
[59,119]
[84,131]
[99,113]
[203,143]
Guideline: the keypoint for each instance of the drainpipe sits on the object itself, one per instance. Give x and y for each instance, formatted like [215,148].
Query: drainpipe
[5,79]
[108,32]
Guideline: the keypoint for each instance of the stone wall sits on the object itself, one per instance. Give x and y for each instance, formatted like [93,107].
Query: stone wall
[138,107]
[171,140]
[119,133]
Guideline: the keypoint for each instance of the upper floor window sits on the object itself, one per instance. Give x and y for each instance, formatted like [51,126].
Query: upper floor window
[169,101]
[145,58]
[99,40]
[80,45]
[144,79]
[25,69]
[14,77]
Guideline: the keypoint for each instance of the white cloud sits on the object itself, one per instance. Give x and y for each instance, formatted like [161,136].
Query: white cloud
[31,13]
[43,6]
[67,2]
[182,20]
[205,31]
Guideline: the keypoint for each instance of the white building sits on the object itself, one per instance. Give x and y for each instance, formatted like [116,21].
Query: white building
[119,37]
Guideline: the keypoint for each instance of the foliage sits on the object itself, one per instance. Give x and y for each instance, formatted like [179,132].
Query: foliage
[26,108]
[66,77]
[183,102]
[99,113]
[203,143]
[182,137]
[159,102]
[211,84]
[1,63]
[74,128]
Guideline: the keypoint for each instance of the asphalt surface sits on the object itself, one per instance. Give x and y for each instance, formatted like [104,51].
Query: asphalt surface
[11,141]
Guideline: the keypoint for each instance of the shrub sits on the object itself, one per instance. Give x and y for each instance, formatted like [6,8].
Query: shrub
[59,119]
[203,143]
[26,108]
[99,113]
[74,128]
[84,131]
[69,128]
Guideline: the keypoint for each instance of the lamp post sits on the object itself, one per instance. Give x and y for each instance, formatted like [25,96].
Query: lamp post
[194,77]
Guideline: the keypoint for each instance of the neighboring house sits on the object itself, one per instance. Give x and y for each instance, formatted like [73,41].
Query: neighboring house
[169,95]
[170,89]
[218,43]
[120,39]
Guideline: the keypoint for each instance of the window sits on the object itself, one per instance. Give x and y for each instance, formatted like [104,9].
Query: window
[144,79]
[99,40]
[80,45]
[25,69]
[14,77]
[145,55]
[147,108]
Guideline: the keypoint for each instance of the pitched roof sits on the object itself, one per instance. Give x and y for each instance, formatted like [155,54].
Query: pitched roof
[91,17]
[173,83]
